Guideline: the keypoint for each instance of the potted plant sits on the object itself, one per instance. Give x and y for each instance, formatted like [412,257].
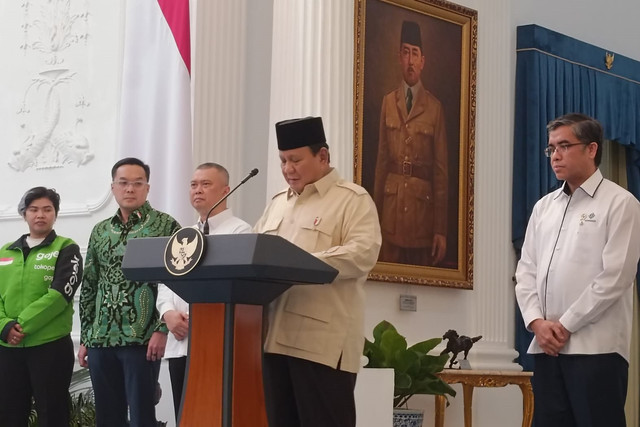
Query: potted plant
[415,370]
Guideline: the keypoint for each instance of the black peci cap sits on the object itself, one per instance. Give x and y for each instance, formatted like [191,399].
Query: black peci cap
[303,132]
[411,34]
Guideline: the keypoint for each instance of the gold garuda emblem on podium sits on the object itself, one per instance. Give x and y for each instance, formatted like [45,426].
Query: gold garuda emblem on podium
[183,251]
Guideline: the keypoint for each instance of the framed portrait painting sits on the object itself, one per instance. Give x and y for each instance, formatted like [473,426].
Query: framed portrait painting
[415,89]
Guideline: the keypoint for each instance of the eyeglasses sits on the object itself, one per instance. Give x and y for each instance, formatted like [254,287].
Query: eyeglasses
[123,184]
[563,148]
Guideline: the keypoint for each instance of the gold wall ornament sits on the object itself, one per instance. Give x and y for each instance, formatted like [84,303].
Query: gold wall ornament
[608,60]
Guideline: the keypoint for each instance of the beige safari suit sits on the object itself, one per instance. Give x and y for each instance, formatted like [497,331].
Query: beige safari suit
[336,221]
[410,189]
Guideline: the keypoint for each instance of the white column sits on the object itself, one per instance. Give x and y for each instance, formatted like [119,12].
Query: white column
[231,90]
[218,76]
[312,74]
[491,302]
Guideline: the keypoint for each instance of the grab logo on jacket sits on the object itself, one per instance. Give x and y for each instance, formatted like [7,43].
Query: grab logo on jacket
[6,261]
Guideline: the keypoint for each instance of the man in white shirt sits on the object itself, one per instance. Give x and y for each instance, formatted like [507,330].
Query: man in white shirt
[575,283]
[209,184]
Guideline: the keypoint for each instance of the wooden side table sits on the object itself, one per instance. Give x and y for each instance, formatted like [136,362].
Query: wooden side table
[470,379]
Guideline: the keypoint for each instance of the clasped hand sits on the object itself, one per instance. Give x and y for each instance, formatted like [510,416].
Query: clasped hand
[15,335]
[178,323]
[551,335]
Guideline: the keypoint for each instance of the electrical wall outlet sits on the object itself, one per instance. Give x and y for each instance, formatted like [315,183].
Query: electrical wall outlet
[408,303]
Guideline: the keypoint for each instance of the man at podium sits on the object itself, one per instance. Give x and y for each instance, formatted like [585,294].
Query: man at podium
[315,332]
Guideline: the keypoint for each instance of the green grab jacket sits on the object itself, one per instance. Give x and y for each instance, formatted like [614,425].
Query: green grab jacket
[37,286]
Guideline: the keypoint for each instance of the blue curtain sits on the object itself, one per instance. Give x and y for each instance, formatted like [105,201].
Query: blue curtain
[555,75]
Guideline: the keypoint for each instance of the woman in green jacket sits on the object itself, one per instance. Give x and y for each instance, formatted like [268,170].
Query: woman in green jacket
[39,274]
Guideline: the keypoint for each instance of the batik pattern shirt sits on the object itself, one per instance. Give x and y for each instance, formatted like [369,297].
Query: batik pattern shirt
[115,311]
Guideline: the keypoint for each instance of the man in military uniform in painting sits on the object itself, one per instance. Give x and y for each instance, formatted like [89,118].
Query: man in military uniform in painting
[410,189]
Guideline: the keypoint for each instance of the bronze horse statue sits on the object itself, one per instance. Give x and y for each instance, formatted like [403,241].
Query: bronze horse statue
[456,344]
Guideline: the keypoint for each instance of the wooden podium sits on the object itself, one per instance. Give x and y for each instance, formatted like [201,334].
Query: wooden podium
[237,275]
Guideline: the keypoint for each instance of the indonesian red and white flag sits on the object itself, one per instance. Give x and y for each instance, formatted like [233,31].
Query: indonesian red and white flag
[155,110]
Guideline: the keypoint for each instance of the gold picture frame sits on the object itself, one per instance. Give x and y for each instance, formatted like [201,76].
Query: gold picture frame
[428,193]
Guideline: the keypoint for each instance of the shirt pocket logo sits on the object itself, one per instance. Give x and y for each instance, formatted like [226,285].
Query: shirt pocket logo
[587,218]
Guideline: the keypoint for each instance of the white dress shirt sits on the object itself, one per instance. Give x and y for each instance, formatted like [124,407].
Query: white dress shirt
[578,266]
[222,223]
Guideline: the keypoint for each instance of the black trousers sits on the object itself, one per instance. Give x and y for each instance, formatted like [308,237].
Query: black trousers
[580,390]
[300,393]
[177,369]
[43,372]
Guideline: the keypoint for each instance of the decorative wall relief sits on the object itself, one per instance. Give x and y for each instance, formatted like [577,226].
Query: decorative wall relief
[60,86]
[51,125]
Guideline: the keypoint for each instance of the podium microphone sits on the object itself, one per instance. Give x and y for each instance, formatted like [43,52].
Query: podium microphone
[205,227]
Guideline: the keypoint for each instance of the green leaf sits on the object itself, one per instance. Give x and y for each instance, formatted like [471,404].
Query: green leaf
[406,361]
[391,342]
[380,329]
[402,381]
[425,347]
[375,355]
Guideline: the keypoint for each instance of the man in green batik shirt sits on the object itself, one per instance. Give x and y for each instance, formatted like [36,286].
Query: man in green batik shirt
[122,338]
